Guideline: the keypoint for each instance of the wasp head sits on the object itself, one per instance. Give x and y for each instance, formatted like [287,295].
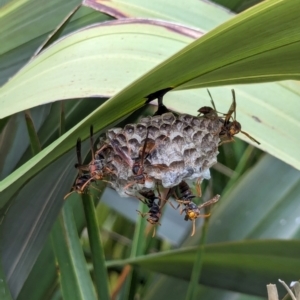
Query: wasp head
[234,128]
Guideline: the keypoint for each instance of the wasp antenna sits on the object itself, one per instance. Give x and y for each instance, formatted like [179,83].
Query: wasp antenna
[250,137]
[212,100]
[85,184]
[234,102]
[66,196]
[194,228]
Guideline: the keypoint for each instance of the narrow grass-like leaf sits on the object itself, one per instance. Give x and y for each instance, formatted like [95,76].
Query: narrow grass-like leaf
[138,243]
[67,276]
[197,267]
[137,249]
[34,139]
[83,280]
[57,32]
[62,127]
[100,272]
[260,262]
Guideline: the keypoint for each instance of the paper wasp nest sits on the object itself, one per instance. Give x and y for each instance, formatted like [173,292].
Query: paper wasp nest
[165,149]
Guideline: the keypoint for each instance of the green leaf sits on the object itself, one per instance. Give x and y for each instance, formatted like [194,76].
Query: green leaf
[98,257]
[37,205]
[137,249]
[4,290]
[201,14]
[259,208]
[259,262]
[75,279]
[27,25]
[197,265]
[33,136]
[44,272]
[258,56]
[101,47]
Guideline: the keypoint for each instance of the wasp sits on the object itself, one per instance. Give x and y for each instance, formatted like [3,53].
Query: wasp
[93,171]
[230,126]
[136,165]
[96,168]
[192,210]
[83,178]
[154,212]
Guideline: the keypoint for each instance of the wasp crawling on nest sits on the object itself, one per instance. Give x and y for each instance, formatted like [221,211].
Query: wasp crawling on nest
[154,204]
[83,179]
[191,209]
[90,173]
[230,126]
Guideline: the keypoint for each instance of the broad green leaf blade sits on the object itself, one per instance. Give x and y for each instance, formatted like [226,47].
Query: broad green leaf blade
[44,272]
[62,74]
[201,14]
[4,290]
[259,208]
[258,56]
[260,262]
[37,206]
